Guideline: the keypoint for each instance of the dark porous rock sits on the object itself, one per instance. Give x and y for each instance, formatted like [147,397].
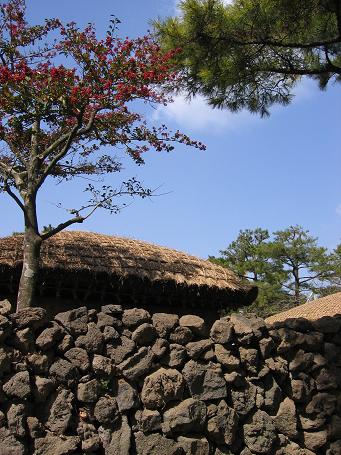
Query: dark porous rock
[332,354]
[205,381]
[35,428]
[126,396]
[61,412]
[18,386]
[196,349]
[5,363]
[288,340]
[328,379]
[160,348]
[16,420]
[64,372]
[272,394]
[285,420]
[49,337]
[65,344]
[43,388]
[9,445]
[117,310]
[315,440]
[267,347]
[91,444]
[161,387]
[322,404]
[138,364]
[223,426]
[79,358]
[29,317]
[117,441]
[148,420]
[249,359]
[144,335]
[156,444]
[106,411]
[75,321]
[134,317]
[335,427]
[226,357]
[110,333]
[243,325]
[195,323]
[164,323]
[302,387]
[105,319]
[187,417]
[176,357]
[244,398]
[93,341]
[23,340]
[260,433]
[87,392]
[327,324]
[56,445]
[222,331]
[313,341]
[194,445]
[335,448]
[5,328]
[102,366]
[5,307]
[279,367]
[39,363]
[233,378]
[120,349]
[315,423]
[299,324]
[181,335]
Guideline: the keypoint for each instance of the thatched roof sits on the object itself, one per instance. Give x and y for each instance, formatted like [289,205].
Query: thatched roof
[76,251]
[316,309]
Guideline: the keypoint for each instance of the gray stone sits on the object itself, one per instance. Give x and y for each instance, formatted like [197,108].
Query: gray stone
[144,335]
[181,335]
[164,323]
[161,387]
[204,380]
[285,420]
[194,445]
[222,331]
[260,433]
[16,419]
[223,426]
[64,372]
[134,317]
[102,366]
[226,358]
[106,411]
[18,386]
[156,444]
[196,349]
[60,413]
[194,323]
[49,337]
[79,358]
[148,420]
[138,364]
[43,388]
[93,340]
[75,321]
[56,445]
[29,317]
[126,396]
[119,350]
[187,417]
[87,392]
[116,442]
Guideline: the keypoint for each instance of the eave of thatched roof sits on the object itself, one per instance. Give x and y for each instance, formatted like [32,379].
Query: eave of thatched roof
[316,309]
[76,251]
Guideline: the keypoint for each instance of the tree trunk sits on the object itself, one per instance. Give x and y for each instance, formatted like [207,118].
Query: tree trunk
[31,255]
[297,287]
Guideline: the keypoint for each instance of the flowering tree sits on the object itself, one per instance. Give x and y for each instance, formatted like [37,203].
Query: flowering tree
[60,103]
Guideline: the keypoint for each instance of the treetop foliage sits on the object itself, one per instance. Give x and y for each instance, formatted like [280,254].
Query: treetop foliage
[251,53]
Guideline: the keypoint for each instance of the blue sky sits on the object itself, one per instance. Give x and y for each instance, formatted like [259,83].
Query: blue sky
[271,173]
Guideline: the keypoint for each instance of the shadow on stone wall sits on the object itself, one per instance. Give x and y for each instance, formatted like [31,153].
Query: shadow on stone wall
[125,382]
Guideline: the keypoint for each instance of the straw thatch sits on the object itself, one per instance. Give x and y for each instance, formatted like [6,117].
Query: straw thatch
[316,309]
[77,252]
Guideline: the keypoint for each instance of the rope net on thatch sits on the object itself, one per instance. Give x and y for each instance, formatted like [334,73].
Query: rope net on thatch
[77,252]
[316,309]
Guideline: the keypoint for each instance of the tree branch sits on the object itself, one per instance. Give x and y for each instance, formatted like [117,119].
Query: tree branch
[61,226]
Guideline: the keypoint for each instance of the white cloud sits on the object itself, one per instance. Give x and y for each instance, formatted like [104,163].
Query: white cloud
[198,116]
[338,209]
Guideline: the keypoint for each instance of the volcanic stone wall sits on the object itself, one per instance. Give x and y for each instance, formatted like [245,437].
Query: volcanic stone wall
[120,382]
